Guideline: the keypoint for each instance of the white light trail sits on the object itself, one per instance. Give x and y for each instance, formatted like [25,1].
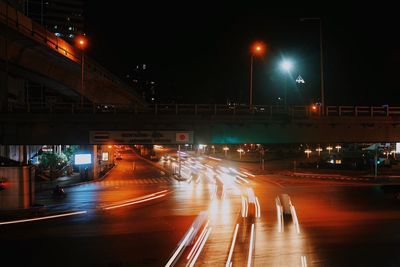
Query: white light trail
[178,250]
[241,178]
[279,215]
[138,200]
[198,241]
[258,208]
[251,246]
[201,248]
[303,261]
[229,262]
[44,218]
[295,219]
[249,174]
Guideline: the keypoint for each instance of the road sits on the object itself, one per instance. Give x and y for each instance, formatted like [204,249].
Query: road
[138,216]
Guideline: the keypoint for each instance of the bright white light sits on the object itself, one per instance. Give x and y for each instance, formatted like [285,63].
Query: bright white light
[286,65]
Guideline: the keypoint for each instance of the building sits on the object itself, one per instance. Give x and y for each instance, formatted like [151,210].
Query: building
[141,78]
[65,18]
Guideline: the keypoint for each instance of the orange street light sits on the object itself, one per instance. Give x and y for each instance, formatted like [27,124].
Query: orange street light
[257,49]
[81,42]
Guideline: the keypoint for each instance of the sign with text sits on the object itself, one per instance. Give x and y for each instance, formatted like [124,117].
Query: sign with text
[141,137]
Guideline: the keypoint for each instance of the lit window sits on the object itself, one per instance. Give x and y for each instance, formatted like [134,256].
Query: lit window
[70,28]
[57,34]
[55,26]
[71,35]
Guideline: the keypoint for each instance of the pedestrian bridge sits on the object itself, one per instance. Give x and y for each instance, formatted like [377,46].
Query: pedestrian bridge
[67,123]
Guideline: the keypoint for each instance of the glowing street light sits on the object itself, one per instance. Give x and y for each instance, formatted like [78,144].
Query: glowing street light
[225,148]
[240,150]
[81,42]
[257,49]
[308,152]
[338,147]
[329,148]
[318,149]
[213,148]
[286,65]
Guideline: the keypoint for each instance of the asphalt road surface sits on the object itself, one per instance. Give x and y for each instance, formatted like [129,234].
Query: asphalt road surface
[218,215]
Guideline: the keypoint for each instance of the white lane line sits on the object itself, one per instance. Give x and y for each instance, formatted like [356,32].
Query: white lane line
[44,218]
[178,250]
[303,261]
[279,215]
[251,246]
[229,262]
[201,248]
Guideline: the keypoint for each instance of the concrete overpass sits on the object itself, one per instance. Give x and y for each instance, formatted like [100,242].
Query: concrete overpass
[28,51]
[209,124]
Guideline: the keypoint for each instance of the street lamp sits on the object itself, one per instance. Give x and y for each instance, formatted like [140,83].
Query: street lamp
[286,65]
[225,148]
[338,147]
[308,152]
[321,62]
[257,49]
[82,43]
[329,148]
[240,150]
[318,149]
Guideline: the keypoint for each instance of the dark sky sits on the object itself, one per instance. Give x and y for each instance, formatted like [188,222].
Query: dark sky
[199,52]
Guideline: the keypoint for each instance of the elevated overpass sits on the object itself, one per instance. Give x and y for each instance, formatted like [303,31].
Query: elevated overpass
[210,124]
[28,51]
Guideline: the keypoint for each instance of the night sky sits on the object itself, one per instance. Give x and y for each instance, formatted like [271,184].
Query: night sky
[198,52]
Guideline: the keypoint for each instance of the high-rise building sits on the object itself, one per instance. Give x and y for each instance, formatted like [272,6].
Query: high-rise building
[65,18]
[141,78]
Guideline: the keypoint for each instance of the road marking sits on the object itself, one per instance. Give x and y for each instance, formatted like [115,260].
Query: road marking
[295,219]
[228,262]
[44,218]
[198,241]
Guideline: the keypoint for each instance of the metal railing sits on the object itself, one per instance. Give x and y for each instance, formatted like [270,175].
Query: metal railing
[205,109]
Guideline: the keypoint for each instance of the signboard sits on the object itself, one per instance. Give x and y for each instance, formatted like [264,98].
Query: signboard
[81,159]
[104,156]
[397,148]
[141,137]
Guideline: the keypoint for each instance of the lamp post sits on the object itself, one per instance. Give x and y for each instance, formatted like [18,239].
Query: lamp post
[225,148]
[329,148]
[321,62]
[286,65]
[240,150]
[308,152]
[257,49]
[318,149]
[338,147]
[82,43]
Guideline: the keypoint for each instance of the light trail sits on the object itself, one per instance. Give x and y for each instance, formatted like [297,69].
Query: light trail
[198,241]
[258,208]
[295,219]
[303,261]
[229,262]
[251,246]
[138,200]
[178,250]
[45,217]
[201,248]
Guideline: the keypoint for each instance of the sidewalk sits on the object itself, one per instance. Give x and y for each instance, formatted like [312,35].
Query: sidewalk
[41,187]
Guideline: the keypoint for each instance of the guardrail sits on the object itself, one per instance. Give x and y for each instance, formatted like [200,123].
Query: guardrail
[206,109]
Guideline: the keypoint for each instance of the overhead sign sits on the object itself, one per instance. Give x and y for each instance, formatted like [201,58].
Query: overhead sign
[300,79]
[141,137]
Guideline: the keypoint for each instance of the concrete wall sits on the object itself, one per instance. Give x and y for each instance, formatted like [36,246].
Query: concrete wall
[20,186]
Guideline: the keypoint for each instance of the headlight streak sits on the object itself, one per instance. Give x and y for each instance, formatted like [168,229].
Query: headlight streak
[251,246]
[249,174]
[201,248]
[303,261]
[181,245]
[295,219]
[229,261]
[198,241]
[243,207]
[45,217]
[258,208]
[239,177]
[279,214]
[137,200]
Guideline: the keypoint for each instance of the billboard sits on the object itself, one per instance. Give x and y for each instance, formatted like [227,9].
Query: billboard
[141,137]
[104,156]
[80,159]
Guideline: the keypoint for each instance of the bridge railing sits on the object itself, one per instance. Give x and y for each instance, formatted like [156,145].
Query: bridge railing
[205,110]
